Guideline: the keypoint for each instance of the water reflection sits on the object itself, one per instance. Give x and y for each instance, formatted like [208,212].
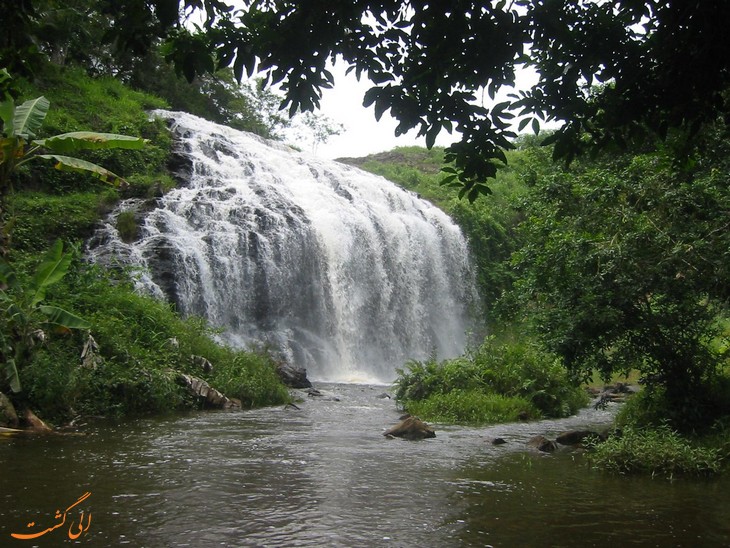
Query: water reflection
[324,475]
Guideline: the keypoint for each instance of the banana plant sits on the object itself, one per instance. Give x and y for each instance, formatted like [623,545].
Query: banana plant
[24,318]
[18,143]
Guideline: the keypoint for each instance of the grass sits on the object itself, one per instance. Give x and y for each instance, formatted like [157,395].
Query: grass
[473,407]
[657,451]
[142,347]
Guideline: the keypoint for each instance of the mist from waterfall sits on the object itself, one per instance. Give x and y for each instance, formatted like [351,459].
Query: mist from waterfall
[345,273]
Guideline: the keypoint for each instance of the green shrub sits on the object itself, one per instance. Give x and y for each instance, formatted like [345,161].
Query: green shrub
[143,345]
[250,377]
[516,371]
[659,451]
[651,408]
[38,219]
[473,407]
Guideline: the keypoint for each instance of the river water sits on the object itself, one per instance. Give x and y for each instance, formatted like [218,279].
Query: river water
[324,475]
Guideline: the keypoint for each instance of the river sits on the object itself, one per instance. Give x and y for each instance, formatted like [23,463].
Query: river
[324,475]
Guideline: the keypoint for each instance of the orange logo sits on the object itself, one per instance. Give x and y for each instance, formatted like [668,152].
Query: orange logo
[73,532]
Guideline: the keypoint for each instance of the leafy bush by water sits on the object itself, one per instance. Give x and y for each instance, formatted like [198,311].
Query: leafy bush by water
[142,347]
[473,407]
[659,451]
[530,384]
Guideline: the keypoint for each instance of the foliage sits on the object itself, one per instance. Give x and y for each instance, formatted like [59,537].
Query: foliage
[248,106]
[659,451]
[518,371]
[624,266]
[251,377]
[24,316]
[610,71]
[18,146]
[140,346]
[127,226]
[38,218]
[20,126]
[473,407]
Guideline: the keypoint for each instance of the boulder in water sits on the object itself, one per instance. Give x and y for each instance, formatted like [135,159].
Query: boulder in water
[293,377]
[411,428]
[30,421]
[574,437]
[541,443]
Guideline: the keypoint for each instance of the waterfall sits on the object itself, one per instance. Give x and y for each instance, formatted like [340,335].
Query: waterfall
[345,273]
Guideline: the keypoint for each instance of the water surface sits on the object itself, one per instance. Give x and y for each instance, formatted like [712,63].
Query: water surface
[324,475]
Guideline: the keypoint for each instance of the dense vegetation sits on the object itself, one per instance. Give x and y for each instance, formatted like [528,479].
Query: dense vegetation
[616,265]
[610,72]
[497,382]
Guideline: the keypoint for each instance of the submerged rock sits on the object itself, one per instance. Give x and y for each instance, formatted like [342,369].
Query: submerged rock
[541,443]
[411,428]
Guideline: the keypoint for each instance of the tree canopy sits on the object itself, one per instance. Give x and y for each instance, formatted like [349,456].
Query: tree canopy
[608,71]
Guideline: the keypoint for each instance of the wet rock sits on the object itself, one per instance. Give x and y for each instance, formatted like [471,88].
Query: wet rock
[498,441]
[8,415]
[574,437]
[202,362]
[313,392]
[293,377]
[411,428]
[209,395]
[30,421]
[541,443]
[383,396]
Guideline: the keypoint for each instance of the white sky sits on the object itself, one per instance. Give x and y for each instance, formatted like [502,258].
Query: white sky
[364,135]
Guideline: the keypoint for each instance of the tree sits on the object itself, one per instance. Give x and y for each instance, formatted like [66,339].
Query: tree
[625,267]
[317,128]
[609,71]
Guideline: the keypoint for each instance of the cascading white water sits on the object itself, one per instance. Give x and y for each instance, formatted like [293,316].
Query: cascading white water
[346,273]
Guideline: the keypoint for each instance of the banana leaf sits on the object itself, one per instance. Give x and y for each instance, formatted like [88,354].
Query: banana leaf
[63,318]
[11,375]
[89,140]
[67,163]
[53,268]
[29,117]
[7,113]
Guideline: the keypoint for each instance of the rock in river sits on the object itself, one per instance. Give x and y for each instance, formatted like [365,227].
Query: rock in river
[411,428]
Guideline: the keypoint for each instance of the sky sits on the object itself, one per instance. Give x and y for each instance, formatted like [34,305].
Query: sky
[362,134]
